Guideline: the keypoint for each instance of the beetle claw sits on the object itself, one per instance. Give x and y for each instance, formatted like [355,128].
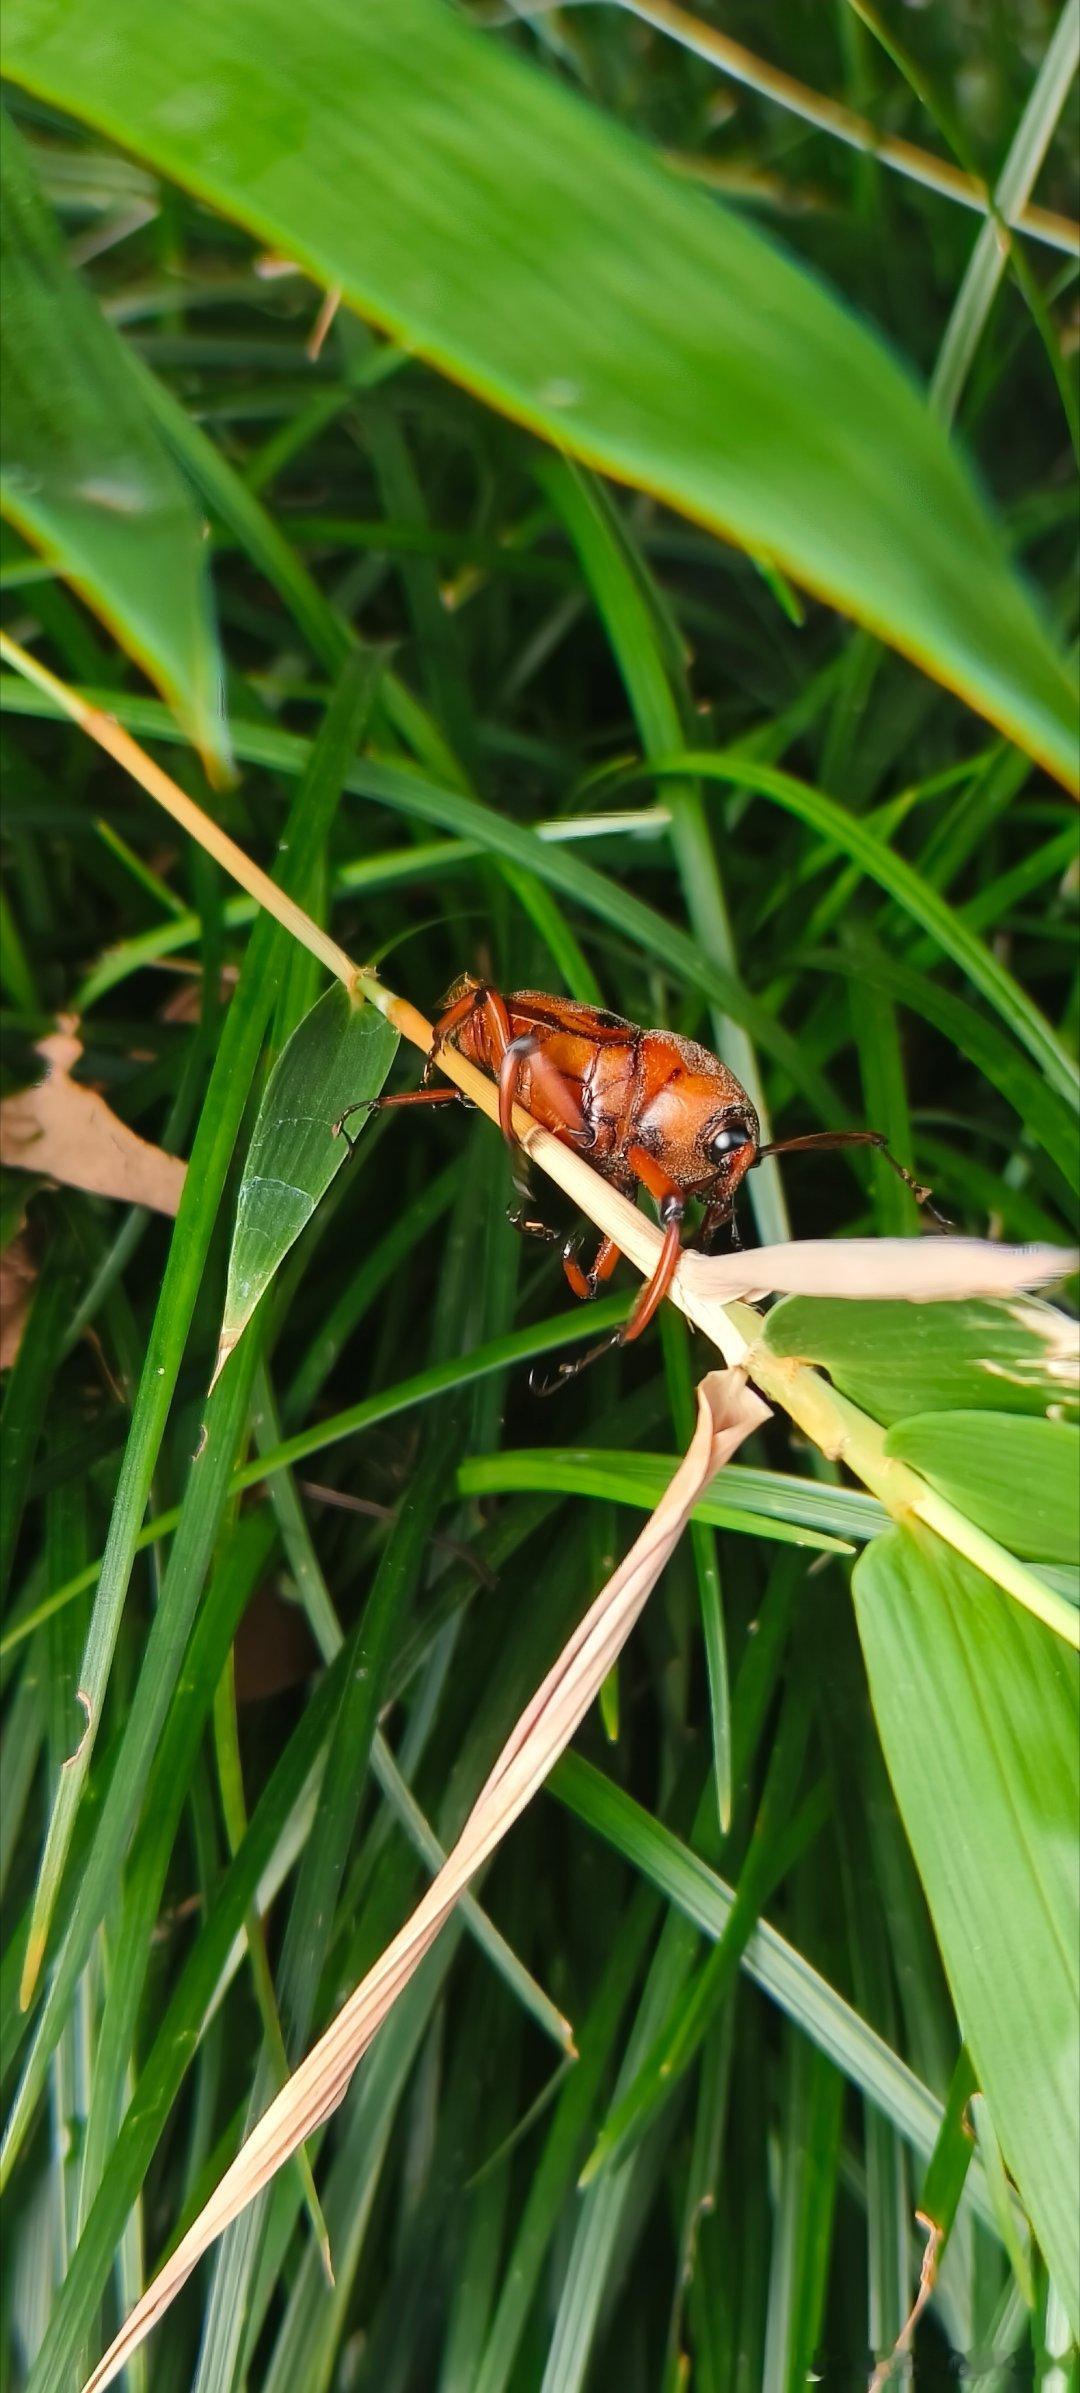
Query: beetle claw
[565,1372]
[529,1226]
[338,1130]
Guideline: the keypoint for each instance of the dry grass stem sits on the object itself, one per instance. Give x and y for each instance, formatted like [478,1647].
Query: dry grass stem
[826,114]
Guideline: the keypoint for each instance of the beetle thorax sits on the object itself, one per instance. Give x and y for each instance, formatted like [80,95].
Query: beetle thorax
[687,1095]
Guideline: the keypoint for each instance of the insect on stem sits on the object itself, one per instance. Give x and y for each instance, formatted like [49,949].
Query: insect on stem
[647,1108]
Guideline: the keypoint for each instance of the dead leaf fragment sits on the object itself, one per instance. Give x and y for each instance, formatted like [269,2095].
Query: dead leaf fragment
[70,1134]
[939,1269]
[727,1412]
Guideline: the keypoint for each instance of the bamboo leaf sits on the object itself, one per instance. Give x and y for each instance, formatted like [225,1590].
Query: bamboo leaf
[977,1710]
[696,361]
[85,474]
[338,1056]
[1014,1357]
[1019,1477]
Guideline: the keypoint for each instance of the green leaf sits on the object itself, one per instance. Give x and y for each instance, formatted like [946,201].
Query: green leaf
[897,1359]
[976,1705]
[1042,1114]
[763,1503]
[695,360]
[554,2171]
[951,2157]
[779,1834]
[809,2175]
[85,474]
[26,1397]
[338,1056]
[1018,1477]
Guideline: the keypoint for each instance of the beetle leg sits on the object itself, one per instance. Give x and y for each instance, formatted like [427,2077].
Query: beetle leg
[655,1290]
[529,1225]
[510,1063]
[460,1011]
[525,1217]
[547,1083]
[409,1096]
[671,1205]
[672,1208]
[586,1283]
[717,1217]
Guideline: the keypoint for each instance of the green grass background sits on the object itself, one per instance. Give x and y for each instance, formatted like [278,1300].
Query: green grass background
[492,708]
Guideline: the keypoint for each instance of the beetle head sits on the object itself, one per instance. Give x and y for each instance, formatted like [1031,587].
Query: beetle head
[729,1143]
[696,1119]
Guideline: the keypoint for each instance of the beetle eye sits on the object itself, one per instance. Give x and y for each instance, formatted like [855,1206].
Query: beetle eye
[728,1141]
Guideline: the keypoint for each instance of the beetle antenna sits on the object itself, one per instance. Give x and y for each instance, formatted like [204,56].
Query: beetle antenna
[821,1141]
[337,1129]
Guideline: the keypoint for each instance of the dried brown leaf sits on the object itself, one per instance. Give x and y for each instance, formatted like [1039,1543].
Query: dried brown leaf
[920,1270]
[69,1134]
[727,1412]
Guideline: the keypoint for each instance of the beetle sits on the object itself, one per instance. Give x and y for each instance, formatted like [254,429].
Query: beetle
[646,1108]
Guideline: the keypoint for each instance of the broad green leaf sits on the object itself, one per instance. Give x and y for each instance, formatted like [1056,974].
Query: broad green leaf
[896,1359]
[471,206]
[85,474]
[976,1705]
[338,1056]
[1018,1477]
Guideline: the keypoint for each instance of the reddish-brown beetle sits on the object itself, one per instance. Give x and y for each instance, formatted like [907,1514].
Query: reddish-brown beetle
[645,1107]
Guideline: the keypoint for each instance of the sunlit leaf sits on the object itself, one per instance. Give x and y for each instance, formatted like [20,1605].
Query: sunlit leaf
[1018,1356]
[477,211]
[1019,1477]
